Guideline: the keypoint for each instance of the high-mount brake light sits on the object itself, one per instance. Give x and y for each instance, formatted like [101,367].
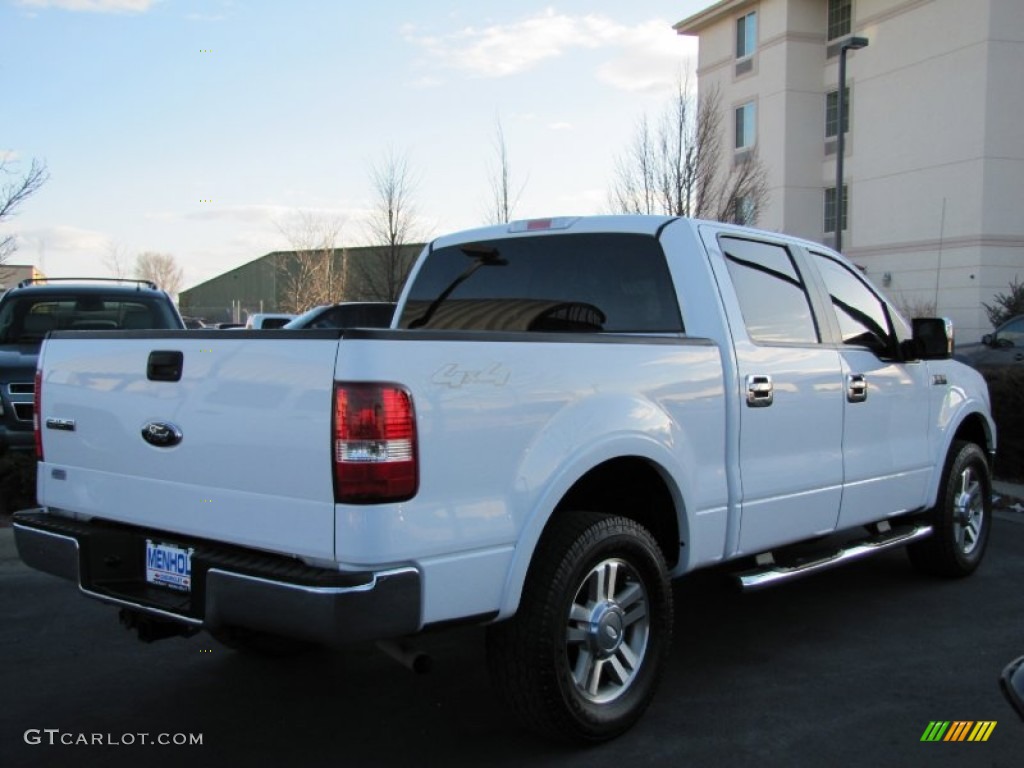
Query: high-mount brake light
[374,444]
[542,225]
[37,416]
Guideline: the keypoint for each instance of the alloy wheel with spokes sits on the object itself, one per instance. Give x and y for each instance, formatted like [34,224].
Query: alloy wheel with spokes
[968,511]
[581,658]
[961,516]
[607,633]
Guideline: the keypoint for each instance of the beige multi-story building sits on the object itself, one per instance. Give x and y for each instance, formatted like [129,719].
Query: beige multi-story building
[934,160]
[12,274]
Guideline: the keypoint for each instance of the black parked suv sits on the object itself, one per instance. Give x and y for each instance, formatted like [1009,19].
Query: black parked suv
[36,307]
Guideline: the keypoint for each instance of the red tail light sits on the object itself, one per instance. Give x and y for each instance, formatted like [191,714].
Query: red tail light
[37,415]
[374,444]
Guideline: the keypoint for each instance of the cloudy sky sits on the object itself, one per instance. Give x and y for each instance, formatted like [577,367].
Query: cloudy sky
[201,128]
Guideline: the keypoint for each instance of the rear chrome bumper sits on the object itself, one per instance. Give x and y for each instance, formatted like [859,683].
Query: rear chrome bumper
[231,586]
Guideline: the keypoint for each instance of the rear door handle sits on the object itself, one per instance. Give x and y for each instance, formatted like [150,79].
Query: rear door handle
[760,393]
[856,388]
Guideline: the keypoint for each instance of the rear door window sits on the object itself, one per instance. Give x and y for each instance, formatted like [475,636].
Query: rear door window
[772,295]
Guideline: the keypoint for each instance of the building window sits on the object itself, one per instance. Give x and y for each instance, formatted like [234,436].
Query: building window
[840,15]
[832,113]
[830,208]
[746,118]
[746,35]
[743,210]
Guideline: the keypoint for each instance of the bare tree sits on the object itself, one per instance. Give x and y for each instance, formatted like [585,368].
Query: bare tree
[314,273]
[503,199]
[162,269]
[634,187]
[14,193]
[675,166]
[391,228]
[117,260]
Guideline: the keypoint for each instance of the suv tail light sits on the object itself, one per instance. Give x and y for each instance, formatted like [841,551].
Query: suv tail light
[37,415]
[374,444]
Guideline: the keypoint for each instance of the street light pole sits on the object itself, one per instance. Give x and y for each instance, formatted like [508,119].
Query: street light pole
[850,43]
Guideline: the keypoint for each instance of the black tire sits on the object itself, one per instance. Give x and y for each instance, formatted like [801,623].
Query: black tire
[570,625]
[255,643]
[961,518]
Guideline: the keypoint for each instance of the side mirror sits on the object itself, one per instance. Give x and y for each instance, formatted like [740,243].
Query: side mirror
[1012,683]
[933,337]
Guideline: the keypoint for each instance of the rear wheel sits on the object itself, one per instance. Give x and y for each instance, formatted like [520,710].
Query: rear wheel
[961,518]
[581,658]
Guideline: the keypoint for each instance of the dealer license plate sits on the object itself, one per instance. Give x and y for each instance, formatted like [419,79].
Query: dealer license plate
[168,565]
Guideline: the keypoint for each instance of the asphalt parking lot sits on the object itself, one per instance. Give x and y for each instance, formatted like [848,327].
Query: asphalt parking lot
[847,668]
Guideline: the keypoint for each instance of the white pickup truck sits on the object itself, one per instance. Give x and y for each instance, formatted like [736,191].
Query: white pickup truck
[566,414]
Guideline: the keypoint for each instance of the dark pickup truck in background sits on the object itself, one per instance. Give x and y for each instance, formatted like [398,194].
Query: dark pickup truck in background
[35,307]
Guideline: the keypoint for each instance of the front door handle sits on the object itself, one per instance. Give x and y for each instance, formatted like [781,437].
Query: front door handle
[856,388]
[760,393]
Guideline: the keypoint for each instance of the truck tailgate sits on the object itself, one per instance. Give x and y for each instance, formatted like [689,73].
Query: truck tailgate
[253,465]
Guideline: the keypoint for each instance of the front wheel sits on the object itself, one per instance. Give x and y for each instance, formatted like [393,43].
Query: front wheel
[961,517]
[581,658]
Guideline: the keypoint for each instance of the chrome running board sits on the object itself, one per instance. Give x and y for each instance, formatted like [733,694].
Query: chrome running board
[768,572]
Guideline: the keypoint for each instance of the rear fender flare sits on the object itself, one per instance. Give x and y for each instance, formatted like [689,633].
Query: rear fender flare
[636,428]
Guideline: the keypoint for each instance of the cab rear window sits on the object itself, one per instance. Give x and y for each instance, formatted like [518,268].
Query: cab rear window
[616,283]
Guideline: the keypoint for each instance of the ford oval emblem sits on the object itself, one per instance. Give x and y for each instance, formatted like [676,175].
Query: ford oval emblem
[161,434]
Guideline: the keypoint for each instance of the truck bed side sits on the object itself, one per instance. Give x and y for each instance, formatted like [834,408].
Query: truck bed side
[507,424]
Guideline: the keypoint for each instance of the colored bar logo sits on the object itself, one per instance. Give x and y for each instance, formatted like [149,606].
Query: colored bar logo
[958,730]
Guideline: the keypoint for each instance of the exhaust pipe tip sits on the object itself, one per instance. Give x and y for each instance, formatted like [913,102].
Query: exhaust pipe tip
[409,657]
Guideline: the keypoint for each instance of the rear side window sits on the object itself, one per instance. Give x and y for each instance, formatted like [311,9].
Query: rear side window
[27,319]
[362,316]
[771,293]
[560,283]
